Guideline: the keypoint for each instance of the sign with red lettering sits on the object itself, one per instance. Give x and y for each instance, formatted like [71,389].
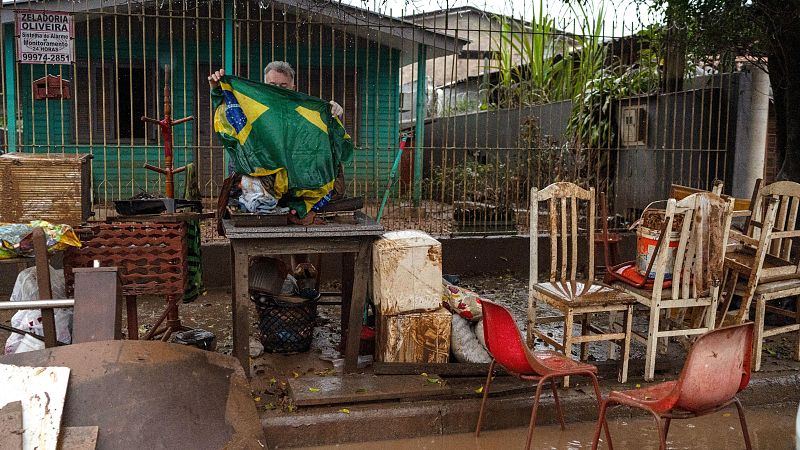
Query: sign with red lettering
[45,37]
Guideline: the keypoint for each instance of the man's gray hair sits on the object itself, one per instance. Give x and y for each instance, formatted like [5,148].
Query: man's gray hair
[280,66]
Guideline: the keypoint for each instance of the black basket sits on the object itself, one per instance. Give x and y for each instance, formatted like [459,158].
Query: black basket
[287,326]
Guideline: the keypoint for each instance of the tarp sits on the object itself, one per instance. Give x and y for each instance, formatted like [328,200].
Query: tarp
[269,130]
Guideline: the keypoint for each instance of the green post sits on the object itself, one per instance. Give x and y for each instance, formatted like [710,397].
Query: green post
[10,89]
[228,58]
[419,130]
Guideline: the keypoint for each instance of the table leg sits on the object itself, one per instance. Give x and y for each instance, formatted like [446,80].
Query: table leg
[240,306]
[347,294]
[133,317]
[360,277]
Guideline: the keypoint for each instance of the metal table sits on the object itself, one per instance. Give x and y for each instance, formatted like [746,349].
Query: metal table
[347,239]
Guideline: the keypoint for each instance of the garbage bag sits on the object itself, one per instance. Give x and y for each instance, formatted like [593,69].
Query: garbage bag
[27,289]
[465,344]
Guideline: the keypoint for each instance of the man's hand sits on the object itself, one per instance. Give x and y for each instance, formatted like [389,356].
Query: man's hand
[213,79]
[336,109]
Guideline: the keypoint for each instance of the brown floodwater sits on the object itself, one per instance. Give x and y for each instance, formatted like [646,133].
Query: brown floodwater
[770,429]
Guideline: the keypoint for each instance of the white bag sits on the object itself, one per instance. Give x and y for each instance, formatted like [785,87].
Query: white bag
[27,289]
[465,345]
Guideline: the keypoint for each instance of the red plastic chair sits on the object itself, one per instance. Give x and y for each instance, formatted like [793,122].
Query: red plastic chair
[507,348]
[717,368]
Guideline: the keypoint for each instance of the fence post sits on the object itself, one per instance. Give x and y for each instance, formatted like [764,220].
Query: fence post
[228,61]
[419,130]
[10,90]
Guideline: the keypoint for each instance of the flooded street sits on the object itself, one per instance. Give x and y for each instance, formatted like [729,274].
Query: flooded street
[770,429]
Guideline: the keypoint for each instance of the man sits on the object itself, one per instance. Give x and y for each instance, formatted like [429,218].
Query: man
[281,74]
[277,73]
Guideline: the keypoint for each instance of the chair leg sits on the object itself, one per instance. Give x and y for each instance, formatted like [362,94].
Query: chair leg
[584,331]
[652,343]
[667,422]
[758,334]
[612,346]
[568,320]
[743,421]
[558,403]
[596,386]
[662,435]
[797,320]
[483,400]
[532,425]
[626,346]
[601,424]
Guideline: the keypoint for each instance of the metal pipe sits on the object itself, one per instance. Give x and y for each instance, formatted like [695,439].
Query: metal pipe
[37,304]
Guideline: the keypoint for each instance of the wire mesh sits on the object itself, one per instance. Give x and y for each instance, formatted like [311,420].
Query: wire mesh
[503,104]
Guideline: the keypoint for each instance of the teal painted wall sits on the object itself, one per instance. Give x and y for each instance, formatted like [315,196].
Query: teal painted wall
[117,167]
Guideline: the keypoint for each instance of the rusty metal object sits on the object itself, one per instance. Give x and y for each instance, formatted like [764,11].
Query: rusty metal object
[98,305]
[154,395]
[151,257]
[165,125]
[56,188]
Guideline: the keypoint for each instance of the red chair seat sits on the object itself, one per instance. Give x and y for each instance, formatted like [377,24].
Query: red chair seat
[628,274]
[656,397]
[557,362]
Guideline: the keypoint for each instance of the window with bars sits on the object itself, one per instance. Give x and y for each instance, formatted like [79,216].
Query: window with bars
[111,102]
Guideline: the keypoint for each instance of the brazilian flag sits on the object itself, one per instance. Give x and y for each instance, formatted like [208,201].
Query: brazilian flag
[269,130]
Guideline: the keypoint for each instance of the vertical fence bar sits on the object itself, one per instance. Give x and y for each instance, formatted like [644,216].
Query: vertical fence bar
[419,129]
[10,88]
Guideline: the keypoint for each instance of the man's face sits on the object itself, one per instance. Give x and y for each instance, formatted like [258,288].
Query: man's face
[276,78]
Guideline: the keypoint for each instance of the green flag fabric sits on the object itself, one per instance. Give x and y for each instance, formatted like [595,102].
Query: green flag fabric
[269,130]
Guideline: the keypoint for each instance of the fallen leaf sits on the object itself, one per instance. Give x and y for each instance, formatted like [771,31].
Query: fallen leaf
[479,390]
[269,406]
[272,381]
[311,389]
[726,414]
[295,375]
[344,410]
[638,385]
[360,391]
[258,399]
[423,374]
[434,380]
[291,408]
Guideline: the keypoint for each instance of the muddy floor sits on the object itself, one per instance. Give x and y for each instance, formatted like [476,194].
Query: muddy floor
[771,428]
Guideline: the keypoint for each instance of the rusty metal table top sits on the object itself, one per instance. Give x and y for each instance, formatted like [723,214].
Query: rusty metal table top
[364,226]
[145,394]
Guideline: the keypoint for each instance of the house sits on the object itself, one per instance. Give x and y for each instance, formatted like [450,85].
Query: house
[454,81]
[340,52]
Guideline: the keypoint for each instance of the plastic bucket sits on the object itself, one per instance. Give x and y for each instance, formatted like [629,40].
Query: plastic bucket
[646,242]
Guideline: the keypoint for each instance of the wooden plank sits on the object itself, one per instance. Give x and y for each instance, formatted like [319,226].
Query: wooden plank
[11,426]
[42,391]
[356,388]
[442,369]
[78,438]
[98,305]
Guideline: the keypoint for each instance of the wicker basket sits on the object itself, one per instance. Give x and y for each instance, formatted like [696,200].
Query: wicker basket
[287,324]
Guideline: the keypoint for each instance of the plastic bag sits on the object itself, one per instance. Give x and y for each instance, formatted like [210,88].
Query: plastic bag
[27,289]
[465,344]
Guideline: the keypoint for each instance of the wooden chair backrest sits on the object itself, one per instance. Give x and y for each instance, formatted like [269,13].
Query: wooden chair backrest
[785,230]
[564,203]
[741,206]
[687,260]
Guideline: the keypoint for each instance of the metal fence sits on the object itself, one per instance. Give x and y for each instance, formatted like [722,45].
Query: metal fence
[455,113]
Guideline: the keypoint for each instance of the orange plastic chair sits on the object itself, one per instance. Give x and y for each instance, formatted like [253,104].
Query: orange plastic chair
[717,368]
[507,348]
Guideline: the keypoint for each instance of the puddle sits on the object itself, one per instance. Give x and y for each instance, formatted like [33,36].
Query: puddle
[771,428]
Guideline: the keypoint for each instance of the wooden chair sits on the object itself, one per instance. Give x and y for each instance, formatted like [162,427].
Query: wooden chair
[684,289]
[716,370]
[577,300]
[779,275]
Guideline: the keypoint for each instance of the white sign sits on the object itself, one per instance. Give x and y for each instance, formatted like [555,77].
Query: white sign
[45,37]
